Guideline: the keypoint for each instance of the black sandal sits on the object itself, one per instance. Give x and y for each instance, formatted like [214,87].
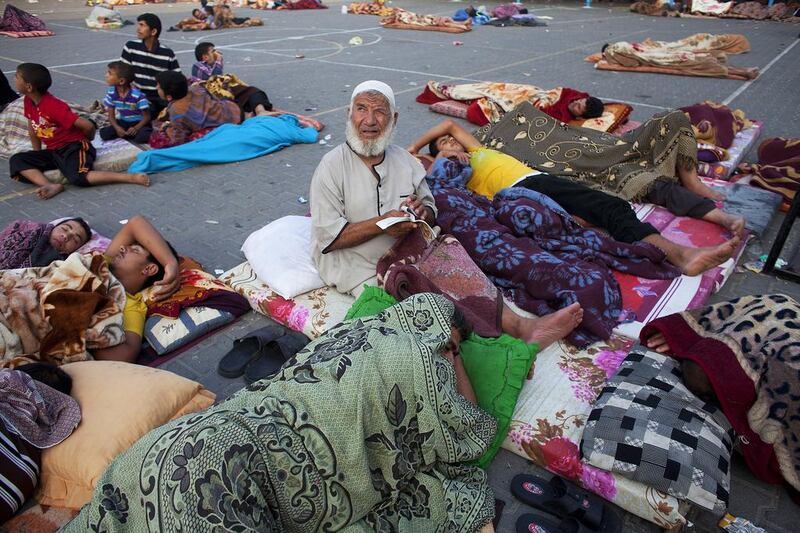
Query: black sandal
[246,349]
[564,500]
[545,523]
[274,354]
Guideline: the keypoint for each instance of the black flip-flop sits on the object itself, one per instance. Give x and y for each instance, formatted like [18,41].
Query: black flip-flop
[563,500]
[233,363]
[273,355]
[545,523]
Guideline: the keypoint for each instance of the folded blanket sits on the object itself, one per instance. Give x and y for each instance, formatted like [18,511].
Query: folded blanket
[538,255]
[715,123]
[57,313]
[254,137]
[19,23]
[371,8]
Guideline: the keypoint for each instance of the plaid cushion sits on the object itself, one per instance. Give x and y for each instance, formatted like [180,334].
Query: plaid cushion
[648,427]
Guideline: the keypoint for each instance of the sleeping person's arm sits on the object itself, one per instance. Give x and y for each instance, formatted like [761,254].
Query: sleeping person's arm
[447,127]
[128,351]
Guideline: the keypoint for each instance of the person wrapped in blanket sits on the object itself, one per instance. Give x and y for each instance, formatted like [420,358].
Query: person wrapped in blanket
[741,355]
[493,171]
[25,243]
[368,179]
[36,412]
[276,457]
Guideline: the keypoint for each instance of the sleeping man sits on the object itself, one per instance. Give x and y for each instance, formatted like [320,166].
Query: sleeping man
[493,171]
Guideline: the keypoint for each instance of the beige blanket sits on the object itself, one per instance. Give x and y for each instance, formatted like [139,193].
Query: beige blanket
[56,314]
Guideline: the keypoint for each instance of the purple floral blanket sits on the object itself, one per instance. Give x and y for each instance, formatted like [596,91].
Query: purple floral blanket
[538,255]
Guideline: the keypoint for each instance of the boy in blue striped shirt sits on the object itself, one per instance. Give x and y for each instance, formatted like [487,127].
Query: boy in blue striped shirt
[209,62]
[128,108]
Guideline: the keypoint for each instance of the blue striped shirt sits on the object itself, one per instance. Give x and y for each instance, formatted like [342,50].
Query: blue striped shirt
[129,108]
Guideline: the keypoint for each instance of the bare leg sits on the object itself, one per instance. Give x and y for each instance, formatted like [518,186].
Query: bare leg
[261,111]
[733,223]
[694,261]
[488,528]
[691,181]
[46,189]
[97,177]
[542,330]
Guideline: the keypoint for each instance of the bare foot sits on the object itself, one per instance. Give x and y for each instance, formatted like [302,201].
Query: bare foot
[700,188]
[141,179]
[551,328]
[698,260]
[48,191]
[734,224]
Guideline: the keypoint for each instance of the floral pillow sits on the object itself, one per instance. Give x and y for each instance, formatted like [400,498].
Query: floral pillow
[168,334]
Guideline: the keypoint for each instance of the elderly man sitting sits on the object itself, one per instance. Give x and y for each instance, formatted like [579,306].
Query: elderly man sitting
[368,179]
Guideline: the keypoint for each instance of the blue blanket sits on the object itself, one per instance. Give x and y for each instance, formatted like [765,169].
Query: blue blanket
[254,137]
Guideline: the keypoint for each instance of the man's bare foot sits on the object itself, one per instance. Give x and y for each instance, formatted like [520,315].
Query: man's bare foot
[553,327]
[734,224]
[141,179]
[48,191]
[698,260]
[701,189]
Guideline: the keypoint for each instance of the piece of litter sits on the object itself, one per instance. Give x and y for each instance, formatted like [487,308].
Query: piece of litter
[301,200]
[413,83]
[311,109]
[347,85]
[288,165]
[33,1]
[528,74]
[123,221]
[328,137]
[299,56]
[458,43]
[544,17]
[344,9]
[288,97]
[247,59]
[218,271]
[323,141]
[355,41]
[211,222]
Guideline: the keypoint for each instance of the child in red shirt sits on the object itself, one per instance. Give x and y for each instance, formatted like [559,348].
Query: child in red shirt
[66,137]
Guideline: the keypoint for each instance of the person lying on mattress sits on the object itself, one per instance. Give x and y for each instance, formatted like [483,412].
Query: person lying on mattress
[493,171]
[25,243]
[276,457]
[139,257]
[190,109]
[741,355]
[367,179]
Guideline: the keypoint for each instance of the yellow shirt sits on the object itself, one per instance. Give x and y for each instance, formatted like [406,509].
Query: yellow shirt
[135,312]
[493,171]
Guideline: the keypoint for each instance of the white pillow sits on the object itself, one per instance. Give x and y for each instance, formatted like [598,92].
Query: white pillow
[280,254]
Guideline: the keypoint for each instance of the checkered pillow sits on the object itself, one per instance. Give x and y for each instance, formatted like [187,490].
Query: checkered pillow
[648,427]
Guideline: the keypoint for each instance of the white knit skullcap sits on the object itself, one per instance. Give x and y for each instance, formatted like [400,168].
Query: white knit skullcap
[374,85]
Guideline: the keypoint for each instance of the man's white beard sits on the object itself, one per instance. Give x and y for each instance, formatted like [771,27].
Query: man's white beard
[369,148]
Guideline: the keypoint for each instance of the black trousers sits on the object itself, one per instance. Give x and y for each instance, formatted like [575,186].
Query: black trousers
[679,200]
[605,211]
[142,136]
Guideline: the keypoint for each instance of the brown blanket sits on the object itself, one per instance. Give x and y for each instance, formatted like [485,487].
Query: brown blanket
[57,313]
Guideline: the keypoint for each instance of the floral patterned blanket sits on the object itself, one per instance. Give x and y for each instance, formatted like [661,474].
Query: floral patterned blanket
[57,313]
[277,457]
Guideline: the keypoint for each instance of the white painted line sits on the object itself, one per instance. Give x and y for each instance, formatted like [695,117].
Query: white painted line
[746,85]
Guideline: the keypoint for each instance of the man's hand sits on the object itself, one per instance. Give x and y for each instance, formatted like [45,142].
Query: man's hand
[400,229]
[415,205]
[169,284]
[120,131]
[132,131]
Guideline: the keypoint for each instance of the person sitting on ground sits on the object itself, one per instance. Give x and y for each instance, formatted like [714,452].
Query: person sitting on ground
[251,100]
[67,138]
[368,179]
[148,57]
[209,62]
[128,107]
[7,94]
[190,109]
[139,257]
[493,171]
[25,243]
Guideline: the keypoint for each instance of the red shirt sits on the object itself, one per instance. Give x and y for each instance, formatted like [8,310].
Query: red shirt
[52,121]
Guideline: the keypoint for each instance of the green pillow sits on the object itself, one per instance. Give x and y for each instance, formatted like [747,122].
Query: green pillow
[496,367]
